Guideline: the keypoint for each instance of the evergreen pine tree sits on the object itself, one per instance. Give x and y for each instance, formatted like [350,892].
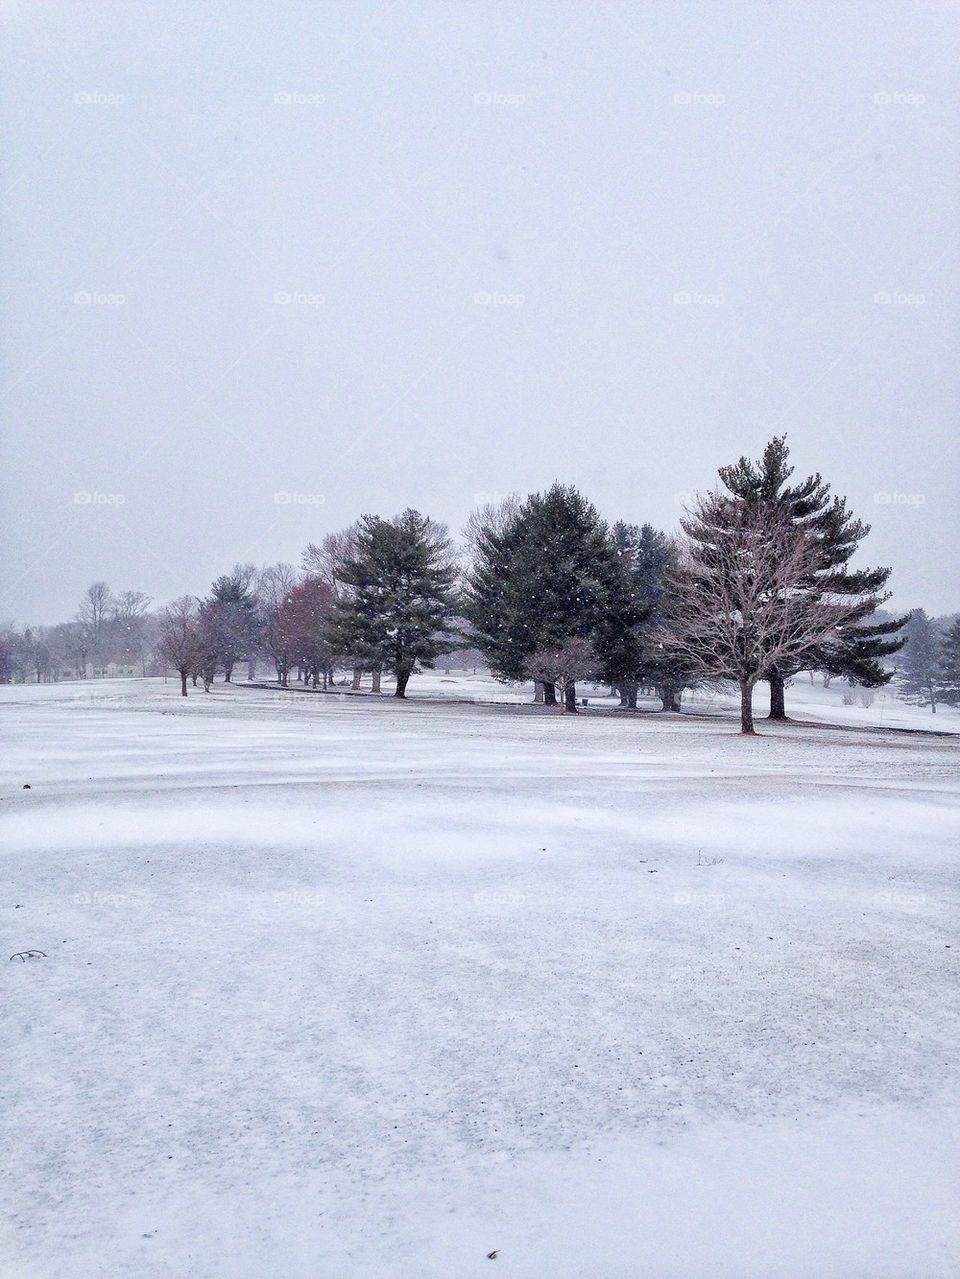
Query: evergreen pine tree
[231,621]
[548,576]
[920,661]
[494,597]
[396,608]
[857,649]
[631,653]
[949,670]
[948,675]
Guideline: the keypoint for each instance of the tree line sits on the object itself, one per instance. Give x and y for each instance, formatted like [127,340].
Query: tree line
[928,669]
[757,586]
[111,633]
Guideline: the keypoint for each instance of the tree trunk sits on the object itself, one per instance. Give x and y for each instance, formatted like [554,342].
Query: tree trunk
[549,693]
[357,676]
[227,671]
[538,692]
[668,696]
[746,706]
[570,697]
[376,680]
[183,683]
[194,678]
[403,674]
[628,696]
[778,709]
[251,668]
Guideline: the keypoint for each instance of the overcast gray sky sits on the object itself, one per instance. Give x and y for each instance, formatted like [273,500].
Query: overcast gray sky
[615,244]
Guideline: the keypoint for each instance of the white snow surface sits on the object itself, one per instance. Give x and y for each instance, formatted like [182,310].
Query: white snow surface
[336,986]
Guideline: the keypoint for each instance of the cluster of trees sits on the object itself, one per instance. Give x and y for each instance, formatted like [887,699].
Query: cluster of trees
[766,589]
[378,596]
[552,594]
[250,614]
[757,586]
[928,668]
[111,633]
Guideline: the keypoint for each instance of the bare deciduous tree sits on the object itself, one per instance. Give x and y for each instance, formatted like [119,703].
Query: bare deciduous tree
[491,517]
[180,643]
[93,615]
[562,667]
[128,614]
[741,599]
[274,584]
[325,559]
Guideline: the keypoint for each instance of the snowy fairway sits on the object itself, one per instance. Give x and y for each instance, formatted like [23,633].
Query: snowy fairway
[339,987]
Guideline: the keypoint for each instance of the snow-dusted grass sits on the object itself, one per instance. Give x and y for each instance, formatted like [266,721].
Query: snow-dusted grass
[340,987]
[805,701]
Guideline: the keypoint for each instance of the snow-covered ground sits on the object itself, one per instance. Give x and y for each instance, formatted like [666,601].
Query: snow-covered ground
[877,708]
[335,986]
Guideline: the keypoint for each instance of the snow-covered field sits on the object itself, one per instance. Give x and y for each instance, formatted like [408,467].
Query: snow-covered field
[805,701]
[335,986]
